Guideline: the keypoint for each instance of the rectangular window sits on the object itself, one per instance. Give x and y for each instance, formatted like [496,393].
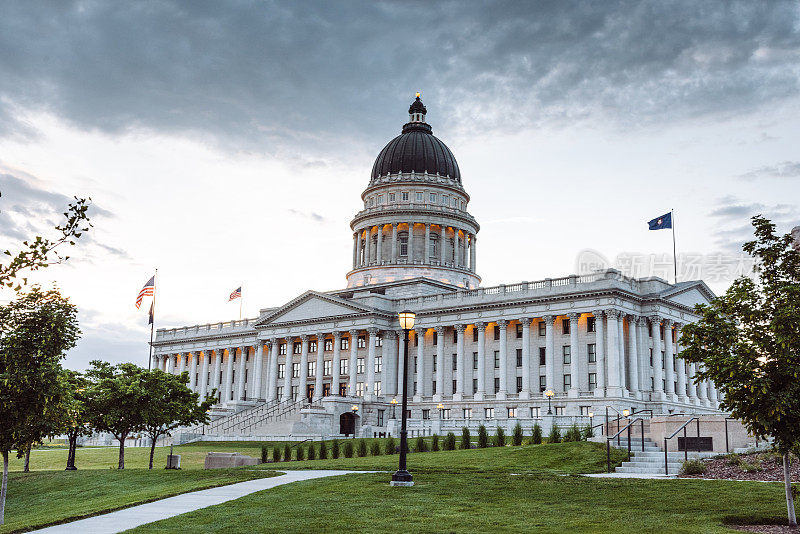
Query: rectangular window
[296,370]
[519,330]
[474,360]
[312,368]
[378,341]
[567,351]
[328,345]
[362,342]
[474,386]
[488,413]
[455,202]
[360,365]
[542,328]
[497,359]
[591,352]
[542,356]
[279,391]
[446,413]
[455,336]
[343,366]
[420,197]
[519,357]
[435,337]
[592,381]
[294,392]
[519,384]
[663,360]
[433,387]
[326,390]
[377,389]
[496,385]
[380,199]
[535,411]
[380,417]
[345,343]
[565,326]
[378,363]
[359,389]
[474,334]
[591,325]
[281,370]
[497,332]
[297,348]
[512,413]
[432,197]
[542,384]
[426,413]
[312,346]
[327,367]
[309,392]
[392,197]
[343,389]
[584,410]
[444,200]
[651,357]
[467,413]
[434,363]
[650,329]
[567,382]
[559,410]
[455,362]
[404,196]
[282,349]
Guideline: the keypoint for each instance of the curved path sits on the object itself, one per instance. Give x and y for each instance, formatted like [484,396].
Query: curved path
[142,514]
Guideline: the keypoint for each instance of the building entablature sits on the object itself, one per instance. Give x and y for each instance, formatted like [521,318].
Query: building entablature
[415,179]
[417,213]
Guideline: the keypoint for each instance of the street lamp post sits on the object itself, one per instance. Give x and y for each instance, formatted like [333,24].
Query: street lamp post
[549,394]
[354,409]
[440,407]
[402,477]
[394,405]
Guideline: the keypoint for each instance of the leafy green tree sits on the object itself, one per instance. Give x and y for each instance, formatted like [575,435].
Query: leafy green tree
[466,439]
[276,454]
[300,454]
[36,330]
[748,343]
[435,443]
[117,400]
[500,438]
[76,421]
[536,434]
[483,437]
[516,438]
[450,442]
[555,434]
[170,405]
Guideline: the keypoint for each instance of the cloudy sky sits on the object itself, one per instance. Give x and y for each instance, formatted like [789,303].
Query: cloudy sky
[228,143]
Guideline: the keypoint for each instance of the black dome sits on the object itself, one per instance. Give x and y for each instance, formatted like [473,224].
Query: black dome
[418,150]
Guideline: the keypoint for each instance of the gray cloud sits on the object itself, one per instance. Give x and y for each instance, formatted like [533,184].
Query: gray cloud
[308,215]
[733,216]
[786,169]
[272,76]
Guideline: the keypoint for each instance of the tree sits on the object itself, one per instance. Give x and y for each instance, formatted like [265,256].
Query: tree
[171,404]
[748,343]
[42,252]
[36,330]
[76,417]
[117,401]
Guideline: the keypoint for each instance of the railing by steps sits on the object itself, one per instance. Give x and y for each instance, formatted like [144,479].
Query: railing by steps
[626,428]
[685,442]
[246,419]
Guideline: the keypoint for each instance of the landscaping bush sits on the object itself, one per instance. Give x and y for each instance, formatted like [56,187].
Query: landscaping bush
[693,467]
[276,454]
[323,451]
[421,446]
[335,449]
[536,434]
[733,459]
[483,437]
[287,453]
[390,445]
[588,431]
[300,454]
[450,441]
[375,448]
[362,448]
[264,454]
[516,439]
[500,438]
[348,448]
[572,434]
[435,443]
[555,435]
[312,452]
[466,439]
[750,467]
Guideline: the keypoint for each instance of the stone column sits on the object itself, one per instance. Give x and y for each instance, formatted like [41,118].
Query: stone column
[701,386]
[259,355]
[502,324]
[442,241]
[392,361]
[614,388]
[369,392]
[713,394]
[240,390]
[410,242]
[337,363]
[622,360]
[155,361]
[669,373]
[600,353]
[633,357]
[692,383]
[578,365]
[301,390]
[526,358]
[215,372]
[459,372]
[421,379]
[456,248]
[644,355]
[549,353]
[318,378]
[228,387]
[170,363]
[355,250]
[193,370]
[472,252]
[394,243]
[359,258]
[658,370]
[379,246]
[204,374]
[368,245]
[681,370]
[353,361]
[274,347]
[181,363]
[287,370]
[481,361]
[440,363]
[427,254]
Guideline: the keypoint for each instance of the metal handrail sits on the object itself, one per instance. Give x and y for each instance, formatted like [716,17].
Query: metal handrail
[621,430]
[685,443]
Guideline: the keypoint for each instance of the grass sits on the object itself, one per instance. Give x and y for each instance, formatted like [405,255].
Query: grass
[44,498]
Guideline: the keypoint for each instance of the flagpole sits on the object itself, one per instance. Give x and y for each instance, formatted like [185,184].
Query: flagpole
[674,254]
[241,299]
[153,323]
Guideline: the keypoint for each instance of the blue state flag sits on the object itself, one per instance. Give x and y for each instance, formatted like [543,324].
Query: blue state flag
[659,223]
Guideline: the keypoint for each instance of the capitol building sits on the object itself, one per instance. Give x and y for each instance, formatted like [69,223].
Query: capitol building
[329,364]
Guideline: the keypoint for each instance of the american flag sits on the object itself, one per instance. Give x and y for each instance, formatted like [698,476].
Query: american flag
[147,291]
[237,294]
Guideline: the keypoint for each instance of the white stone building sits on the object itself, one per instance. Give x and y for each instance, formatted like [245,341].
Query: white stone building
[477,354]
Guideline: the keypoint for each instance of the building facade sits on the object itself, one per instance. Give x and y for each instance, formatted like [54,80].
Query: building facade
[479,354]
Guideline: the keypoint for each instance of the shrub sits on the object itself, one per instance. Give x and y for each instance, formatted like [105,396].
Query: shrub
[348,448]
[323,451]
[588,431]
[750,467]
[264,454]
[536,434]
[733,459]
[483,437]
[500,438]
[572,434]
[450,441]
[312,452]
[466,439]
[300,454]
[421,447]
[287,453]
[555,435]
[516,439]
[335,449]
[390,445]
[435,443]
[375,448]
[693,467]
[276,454]
[362,448]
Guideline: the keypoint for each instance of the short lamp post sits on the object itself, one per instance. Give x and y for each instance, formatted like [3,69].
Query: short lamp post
[394,406]
[591,420]
[626,412]
[402,477]
[354,409]
[440,407]
[549,394]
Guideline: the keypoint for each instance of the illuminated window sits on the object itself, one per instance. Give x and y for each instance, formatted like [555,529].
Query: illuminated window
[512,412]
[297,348]
[295,370]
[345,343]
[312,346]
[343,366]
[282,349]
[591,324]
[328,344]
[362,342]
[378,364]
[312,368]
[327,367]
[281,370]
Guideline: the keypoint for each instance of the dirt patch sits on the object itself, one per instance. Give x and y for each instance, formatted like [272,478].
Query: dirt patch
[756,466]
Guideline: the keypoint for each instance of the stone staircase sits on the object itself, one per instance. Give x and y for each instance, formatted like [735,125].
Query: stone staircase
[651,460]
[252,421]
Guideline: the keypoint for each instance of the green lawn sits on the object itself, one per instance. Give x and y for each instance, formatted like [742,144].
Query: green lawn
[46,497]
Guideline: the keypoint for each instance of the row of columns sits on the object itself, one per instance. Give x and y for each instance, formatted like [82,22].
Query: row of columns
[363,254]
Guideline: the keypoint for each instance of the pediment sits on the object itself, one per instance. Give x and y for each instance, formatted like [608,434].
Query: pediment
[312,306]
[690,296]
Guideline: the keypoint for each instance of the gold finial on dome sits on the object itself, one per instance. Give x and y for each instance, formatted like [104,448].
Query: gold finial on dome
[419,94]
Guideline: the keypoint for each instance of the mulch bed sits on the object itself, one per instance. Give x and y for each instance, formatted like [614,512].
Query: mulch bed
[769,467]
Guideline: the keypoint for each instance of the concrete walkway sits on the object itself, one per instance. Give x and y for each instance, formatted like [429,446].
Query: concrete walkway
[142,514]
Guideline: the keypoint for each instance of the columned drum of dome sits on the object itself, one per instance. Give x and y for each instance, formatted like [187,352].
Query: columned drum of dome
[415,221]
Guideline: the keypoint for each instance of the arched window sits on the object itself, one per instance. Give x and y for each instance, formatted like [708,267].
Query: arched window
[403,238]
[434,245]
